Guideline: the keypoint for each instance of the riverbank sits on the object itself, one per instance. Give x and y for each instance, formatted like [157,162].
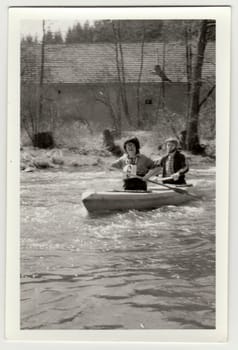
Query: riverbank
[92,155]
[33,159]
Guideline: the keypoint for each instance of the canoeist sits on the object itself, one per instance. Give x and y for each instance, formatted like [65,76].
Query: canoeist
[133,164]
[174,164]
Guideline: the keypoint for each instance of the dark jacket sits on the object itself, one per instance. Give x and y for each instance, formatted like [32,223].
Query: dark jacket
[179,165]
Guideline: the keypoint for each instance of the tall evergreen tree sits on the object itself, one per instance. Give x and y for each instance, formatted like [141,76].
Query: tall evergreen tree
[58,38]
[75,34]
[49,38]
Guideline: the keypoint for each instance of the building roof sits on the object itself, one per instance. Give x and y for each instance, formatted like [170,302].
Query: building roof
[96,63]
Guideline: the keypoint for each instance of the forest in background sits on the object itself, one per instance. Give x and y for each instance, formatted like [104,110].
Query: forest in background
[130,30]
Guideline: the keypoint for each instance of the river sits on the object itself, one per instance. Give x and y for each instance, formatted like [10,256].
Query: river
[131,270]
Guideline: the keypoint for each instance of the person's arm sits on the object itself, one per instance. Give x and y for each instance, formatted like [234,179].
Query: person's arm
[154,171]
[118,164]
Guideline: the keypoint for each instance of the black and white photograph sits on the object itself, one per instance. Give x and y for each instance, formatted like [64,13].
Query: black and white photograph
[119,118]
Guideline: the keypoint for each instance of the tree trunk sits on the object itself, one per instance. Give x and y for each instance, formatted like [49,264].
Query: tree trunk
[121,71]
[163,82]
[115,115]
[138,89]
[108,141]
[41,75]
[192,131]
[126,108]
[188,69]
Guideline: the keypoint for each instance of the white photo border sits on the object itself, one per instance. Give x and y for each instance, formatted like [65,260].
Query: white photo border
[222,17]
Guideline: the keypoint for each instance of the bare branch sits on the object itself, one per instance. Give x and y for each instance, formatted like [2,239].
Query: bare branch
[140,74]
[102,101]
[121,69]
[207,96]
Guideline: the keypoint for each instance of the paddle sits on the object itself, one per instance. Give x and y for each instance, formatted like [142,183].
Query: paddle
[178,190]
[175,189]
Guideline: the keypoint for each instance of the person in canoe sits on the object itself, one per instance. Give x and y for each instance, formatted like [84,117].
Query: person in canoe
[174,165]
[134,165]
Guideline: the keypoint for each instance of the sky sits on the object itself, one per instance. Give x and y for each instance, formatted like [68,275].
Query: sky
[34,27]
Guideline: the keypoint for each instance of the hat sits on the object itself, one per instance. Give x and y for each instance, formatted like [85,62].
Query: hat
[133,140]
[172,139]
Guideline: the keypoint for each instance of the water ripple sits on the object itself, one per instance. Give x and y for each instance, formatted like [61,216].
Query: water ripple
[130,270]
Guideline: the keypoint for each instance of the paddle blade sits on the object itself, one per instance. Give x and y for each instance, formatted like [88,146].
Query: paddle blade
[179,190]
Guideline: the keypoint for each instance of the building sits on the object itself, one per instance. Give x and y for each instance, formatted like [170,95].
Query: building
[82,79]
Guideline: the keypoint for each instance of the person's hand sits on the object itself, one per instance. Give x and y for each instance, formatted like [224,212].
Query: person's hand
[157,162]
[175,176]
[132,176]
[145,178]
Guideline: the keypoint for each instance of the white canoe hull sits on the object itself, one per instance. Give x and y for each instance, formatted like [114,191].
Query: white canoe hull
[127,200]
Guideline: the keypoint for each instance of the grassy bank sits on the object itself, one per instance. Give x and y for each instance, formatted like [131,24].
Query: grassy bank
[89,153]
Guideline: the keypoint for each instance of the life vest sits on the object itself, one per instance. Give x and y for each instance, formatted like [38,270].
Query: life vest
[130,169]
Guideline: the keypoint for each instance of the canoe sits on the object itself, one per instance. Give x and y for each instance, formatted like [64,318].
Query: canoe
[127,200]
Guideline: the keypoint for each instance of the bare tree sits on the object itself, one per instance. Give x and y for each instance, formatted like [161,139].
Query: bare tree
[38,108]
[138,89]
[192,140]
[188,47]
[115,113]
[121,69]
[42,68]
